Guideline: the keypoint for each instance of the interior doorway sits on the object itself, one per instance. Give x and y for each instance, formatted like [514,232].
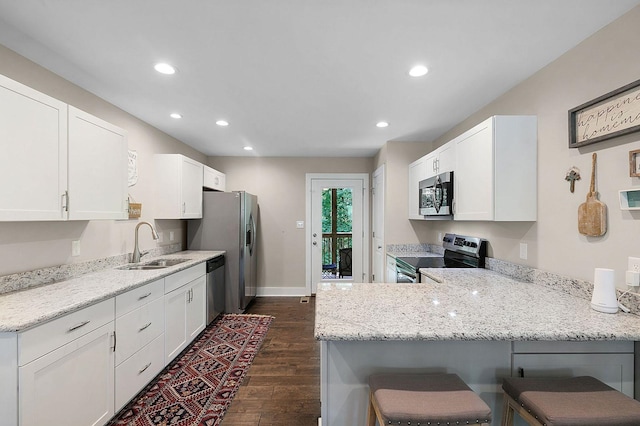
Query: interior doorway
[337,233]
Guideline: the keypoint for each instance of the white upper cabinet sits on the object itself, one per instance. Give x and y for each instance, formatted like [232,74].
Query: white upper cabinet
[33,164]
[441,160]
[496,170]
[178,187]
[58,162]
[213,179]
[97,168]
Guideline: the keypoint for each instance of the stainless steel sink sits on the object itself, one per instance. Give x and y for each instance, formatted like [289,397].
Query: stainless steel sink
[154,264]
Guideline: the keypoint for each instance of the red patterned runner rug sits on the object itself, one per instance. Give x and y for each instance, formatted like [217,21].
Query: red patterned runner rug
[198,386]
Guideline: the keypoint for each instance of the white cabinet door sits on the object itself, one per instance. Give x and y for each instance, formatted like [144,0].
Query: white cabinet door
[97,168]
[496,170]
[417,172]
[175,330]
[178,182]
[33,164]
[71,386]
[213,179]
[185,316]
[197,308]
[446,157]
[473,178]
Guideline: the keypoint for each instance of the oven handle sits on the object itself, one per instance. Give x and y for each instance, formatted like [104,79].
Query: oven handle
[401,277]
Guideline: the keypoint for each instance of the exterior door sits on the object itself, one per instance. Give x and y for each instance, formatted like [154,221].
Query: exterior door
[377,234]
[337,238]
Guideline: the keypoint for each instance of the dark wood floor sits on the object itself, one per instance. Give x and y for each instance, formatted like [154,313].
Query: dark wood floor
[282,386]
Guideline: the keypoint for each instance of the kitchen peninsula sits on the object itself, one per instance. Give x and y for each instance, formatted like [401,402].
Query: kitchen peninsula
[477,323]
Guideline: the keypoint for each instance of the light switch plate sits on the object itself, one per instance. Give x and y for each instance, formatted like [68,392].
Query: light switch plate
[75,248]
[523,250]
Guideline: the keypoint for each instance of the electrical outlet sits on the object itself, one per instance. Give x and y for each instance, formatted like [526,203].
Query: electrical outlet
[75,248]
[523,250]
[171,236]
[634,264]
[439,236]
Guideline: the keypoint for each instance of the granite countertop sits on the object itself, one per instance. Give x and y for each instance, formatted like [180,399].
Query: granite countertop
[468,304]
[23,309]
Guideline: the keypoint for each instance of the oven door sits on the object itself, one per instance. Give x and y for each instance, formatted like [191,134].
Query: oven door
[405,273]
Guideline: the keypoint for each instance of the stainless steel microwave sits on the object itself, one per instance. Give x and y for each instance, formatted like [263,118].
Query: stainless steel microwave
[436,196]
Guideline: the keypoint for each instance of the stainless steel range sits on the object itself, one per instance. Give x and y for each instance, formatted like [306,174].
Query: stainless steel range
[460,251]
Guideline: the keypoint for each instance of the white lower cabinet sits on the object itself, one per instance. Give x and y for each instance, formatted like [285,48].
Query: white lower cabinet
[140,340]
[138,370]
[185,316]
[71,385]
[80,369]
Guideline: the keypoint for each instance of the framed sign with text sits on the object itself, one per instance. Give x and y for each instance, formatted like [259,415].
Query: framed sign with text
[613,114]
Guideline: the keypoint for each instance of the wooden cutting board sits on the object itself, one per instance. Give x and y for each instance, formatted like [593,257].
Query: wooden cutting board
[592,214]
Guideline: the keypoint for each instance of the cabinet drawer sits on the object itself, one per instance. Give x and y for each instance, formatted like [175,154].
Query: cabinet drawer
[133,374]
[44,338]
[135,298]
[137,328]
[183,277]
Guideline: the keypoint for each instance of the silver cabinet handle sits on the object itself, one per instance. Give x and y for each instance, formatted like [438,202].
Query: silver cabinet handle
[75,327]
[144,368]
[144,327]
[144,296]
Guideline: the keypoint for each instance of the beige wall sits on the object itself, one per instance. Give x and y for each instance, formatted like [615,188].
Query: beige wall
[602,63]
[279,184]
[396,156]
[26,246]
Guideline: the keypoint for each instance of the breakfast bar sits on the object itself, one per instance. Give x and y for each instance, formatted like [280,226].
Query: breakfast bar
[476,323]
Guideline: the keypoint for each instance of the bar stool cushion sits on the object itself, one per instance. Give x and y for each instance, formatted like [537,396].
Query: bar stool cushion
[583,401]
[423,398]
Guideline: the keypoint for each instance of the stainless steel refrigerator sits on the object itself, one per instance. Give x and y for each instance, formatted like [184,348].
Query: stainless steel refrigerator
[229,222]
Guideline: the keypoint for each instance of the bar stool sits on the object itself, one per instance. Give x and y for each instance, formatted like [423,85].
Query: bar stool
[424,399]
[566,402]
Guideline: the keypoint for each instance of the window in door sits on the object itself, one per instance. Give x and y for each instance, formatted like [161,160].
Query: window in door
[337,229]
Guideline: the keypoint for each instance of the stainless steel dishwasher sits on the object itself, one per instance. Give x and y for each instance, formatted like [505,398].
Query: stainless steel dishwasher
[215,288]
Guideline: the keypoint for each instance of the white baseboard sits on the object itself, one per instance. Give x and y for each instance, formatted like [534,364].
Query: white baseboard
[281,291]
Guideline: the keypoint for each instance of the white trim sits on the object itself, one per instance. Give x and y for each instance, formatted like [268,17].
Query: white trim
[366,212]
[281,291]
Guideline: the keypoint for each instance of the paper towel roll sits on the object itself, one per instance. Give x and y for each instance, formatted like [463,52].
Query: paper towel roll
[604,298]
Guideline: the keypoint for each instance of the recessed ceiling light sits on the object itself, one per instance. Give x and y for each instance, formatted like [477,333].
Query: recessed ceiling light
[382,124]
[418,71]
[176,115]
[164,68]
[248,148]
[222,123]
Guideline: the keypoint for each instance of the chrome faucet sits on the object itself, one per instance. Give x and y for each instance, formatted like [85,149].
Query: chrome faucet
[135,258]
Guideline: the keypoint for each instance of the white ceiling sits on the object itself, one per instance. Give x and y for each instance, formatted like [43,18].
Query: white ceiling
[300,77]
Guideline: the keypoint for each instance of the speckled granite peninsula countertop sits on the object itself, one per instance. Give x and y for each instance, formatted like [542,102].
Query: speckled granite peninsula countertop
[23,309]
[469,304]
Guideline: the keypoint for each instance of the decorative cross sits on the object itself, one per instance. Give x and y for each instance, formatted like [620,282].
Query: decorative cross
[572,176]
